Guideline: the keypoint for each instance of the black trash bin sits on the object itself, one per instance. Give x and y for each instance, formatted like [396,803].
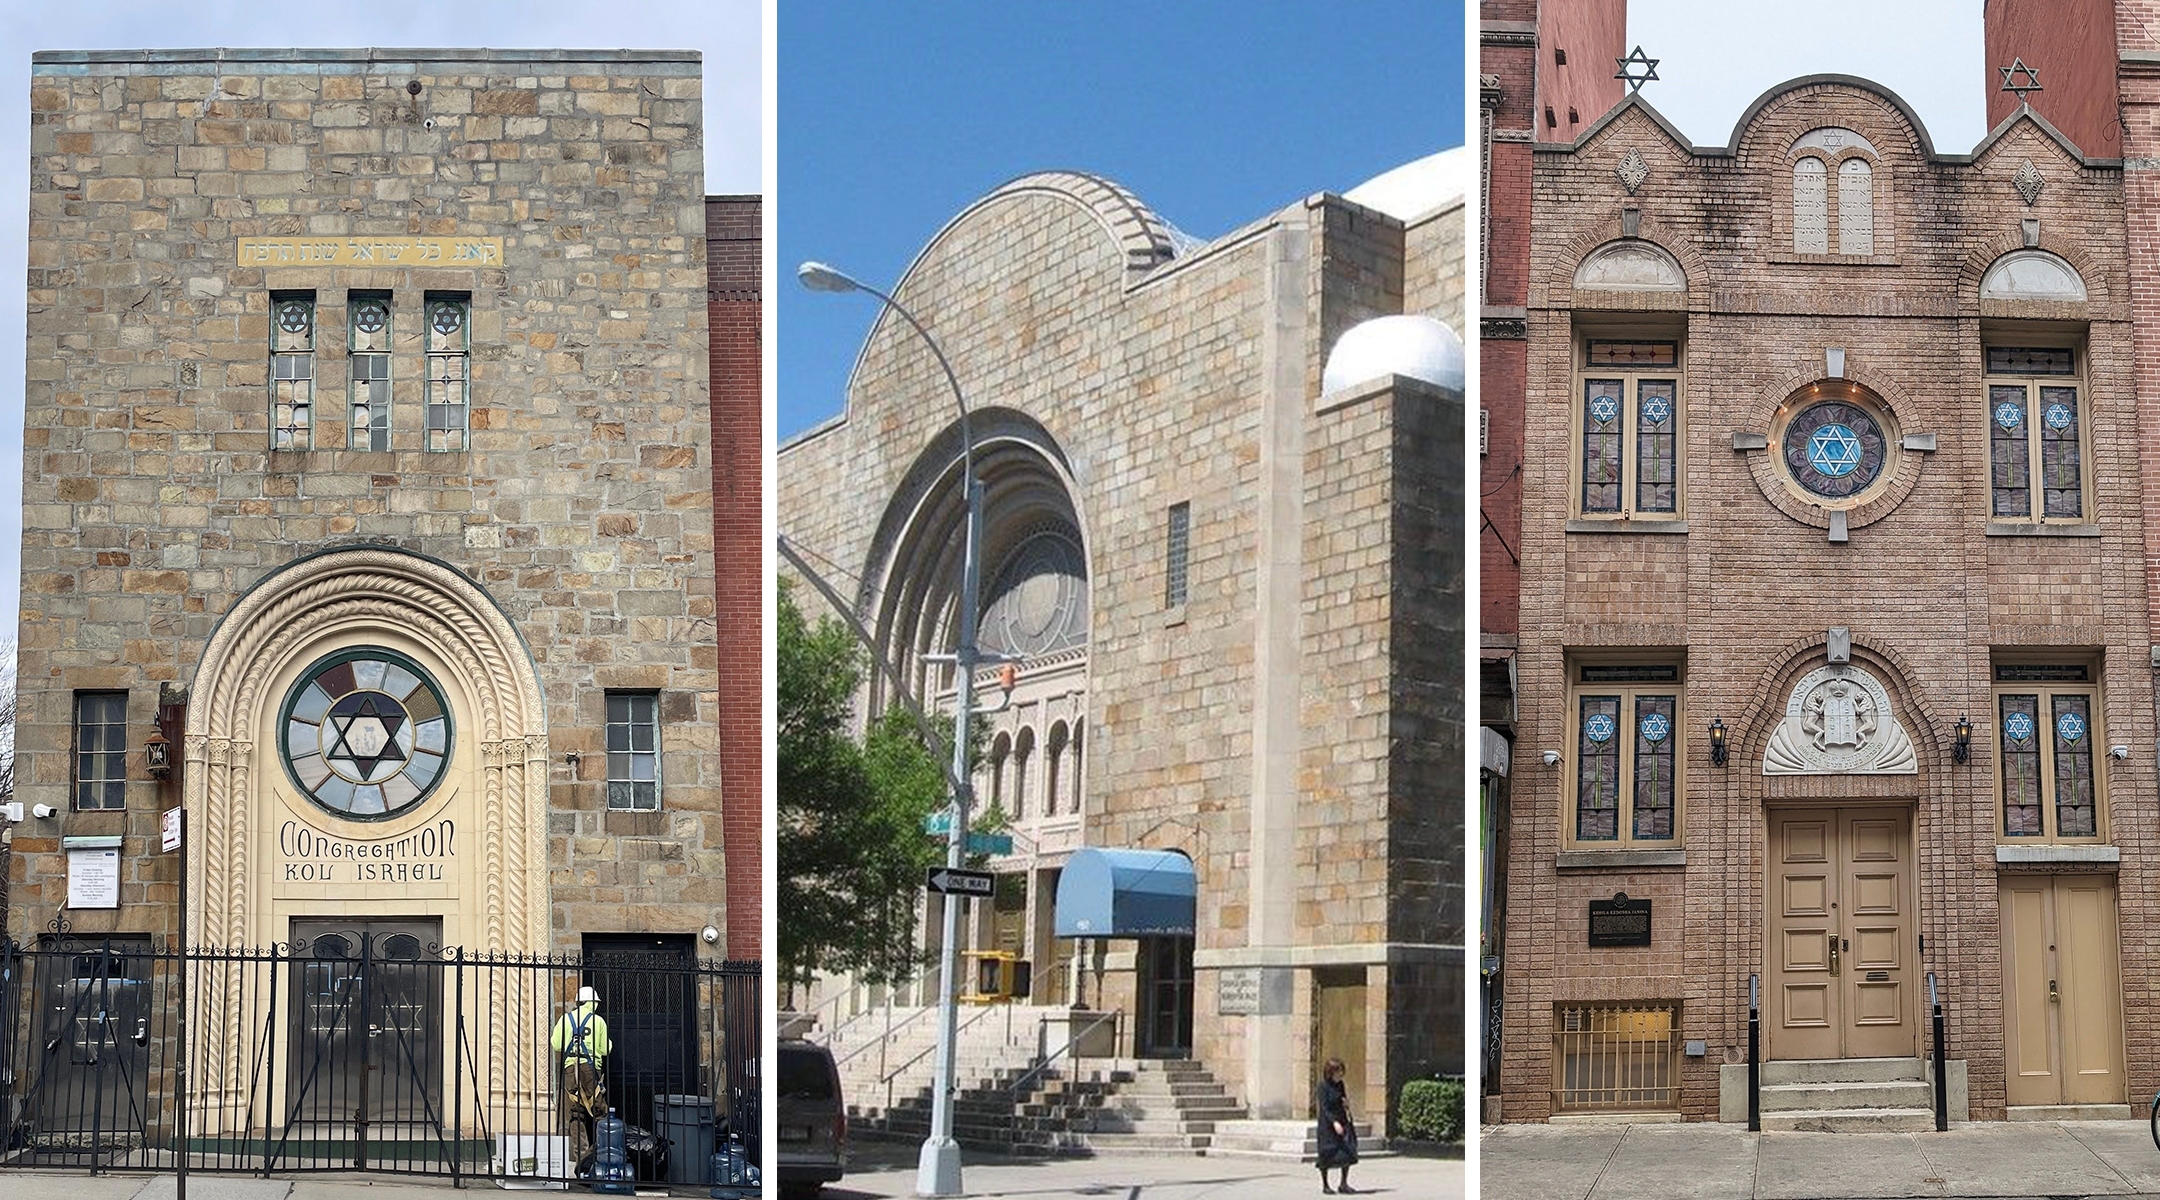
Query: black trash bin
[687,1121]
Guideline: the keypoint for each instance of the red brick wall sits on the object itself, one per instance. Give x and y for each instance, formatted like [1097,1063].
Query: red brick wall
[1593,36]
[733,249]
[2071,43]
[1508,64]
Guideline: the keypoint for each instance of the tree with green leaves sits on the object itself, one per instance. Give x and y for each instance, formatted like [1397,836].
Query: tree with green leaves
[850,823]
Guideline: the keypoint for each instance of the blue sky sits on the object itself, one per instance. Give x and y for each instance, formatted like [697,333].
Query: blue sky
[728,32]
[892,118]
[1717,57]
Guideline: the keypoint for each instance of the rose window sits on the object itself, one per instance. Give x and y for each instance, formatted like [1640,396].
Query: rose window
[365,733]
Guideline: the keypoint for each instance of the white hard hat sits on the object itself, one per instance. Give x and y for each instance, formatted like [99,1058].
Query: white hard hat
[586,995]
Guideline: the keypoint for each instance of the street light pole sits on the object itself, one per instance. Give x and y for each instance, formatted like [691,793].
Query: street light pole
[937,1169]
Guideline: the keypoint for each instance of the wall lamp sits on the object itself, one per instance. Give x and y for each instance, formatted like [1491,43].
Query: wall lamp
[1961,750]
[1718,751]
[157,754]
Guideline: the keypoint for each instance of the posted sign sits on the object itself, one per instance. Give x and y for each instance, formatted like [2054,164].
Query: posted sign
[171,840]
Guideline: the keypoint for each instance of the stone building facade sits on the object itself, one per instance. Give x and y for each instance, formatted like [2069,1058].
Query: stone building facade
[1835,675]
[1234,575]
[368,458]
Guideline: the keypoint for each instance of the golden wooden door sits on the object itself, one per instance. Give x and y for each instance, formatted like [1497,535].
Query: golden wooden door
[1339,1028]
[2062,1018]
[1841,938]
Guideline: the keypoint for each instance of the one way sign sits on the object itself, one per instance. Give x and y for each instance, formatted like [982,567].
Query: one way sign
[952,881]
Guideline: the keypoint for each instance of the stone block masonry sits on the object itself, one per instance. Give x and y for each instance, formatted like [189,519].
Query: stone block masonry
[584,506]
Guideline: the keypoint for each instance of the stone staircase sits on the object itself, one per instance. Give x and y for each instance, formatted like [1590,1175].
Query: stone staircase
[1088,1106]
[1850,1095]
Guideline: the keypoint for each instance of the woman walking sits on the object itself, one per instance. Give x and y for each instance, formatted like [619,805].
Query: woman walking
[1337,1133]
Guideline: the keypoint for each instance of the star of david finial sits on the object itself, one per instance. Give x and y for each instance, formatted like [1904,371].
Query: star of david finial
[2010,76]
[1636,69]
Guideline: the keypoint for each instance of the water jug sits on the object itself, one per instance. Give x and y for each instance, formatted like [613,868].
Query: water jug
[611,1173]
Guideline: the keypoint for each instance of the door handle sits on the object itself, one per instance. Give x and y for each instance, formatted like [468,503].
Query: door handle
[1833,956]
[2054,997]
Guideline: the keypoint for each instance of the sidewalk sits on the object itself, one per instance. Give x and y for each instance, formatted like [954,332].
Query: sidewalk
[878,1170]
[1725,1162]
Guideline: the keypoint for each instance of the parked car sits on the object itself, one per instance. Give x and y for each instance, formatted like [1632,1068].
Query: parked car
[813,1119]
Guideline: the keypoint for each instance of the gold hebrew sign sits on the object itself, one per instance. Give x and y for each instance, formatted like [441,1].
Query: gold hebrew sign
[371,252]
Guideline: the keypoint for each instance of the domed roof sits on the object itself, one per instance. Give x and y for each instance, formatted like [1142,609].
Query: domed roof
[1418,347]
[1420,186]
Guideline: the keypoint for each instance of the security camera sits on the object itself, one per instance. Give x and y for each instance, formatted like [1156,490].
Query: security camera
[2118,751]
[44,812]
[1552,758]
[711,936]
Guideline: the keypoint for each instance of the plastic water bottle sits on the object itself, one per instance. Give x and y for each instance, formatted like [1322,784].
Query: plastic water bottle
[733,1175]
[611,1174]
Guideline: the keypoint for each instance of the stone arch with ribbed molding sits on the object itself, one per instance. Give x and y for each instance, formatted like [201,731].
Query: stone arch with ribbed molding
[340,599]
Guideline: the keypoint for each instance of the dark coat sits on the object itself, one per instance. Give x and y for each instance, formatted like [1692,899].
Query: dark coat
[1332,1105]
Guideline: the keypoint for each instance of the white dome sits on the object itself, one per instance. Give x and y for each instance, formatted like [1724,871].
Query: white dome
[1419,187]
[1414,346]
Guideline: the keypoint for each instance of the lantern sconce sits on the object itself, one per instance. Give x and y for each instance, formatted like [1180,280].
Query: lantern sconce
[1717,742]
[157,752]
[1962,749]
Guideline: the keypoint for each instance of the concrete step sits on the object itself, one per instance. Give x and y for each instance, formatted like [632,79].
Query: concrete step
[1842,1070]
[1851,1120]
[1813,1097]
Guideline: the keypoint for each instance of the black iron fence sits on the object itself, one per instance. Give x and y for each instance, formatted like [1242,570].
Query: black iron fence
[369,1050]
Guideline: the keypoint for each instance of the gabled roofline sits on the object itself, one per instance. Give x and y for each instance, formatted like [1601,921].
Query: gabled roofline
[1731,148]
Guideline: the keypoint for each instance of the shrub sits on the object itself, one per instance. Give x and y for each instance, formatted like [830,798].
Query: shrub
[1431,1110]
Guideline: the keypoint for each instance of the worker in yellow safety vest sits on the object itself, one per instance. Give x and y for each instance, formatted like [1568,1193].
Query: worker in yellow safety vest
[581,1038]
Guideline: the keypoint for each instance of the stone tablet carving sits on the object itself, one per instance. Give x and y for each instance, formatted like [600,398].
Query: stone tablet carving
[1811,207]
[1838,722]
[1630,267]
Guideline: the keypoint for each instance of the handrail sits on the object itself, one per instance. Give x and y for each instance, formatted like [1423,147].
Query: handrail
[1115,1015]
[832,1002]
[919,1055]
[909,1020]
[1942,1081]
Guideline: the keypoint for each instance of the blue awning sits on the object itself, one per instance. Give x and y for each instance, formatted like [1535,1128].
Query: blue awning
[1125,893]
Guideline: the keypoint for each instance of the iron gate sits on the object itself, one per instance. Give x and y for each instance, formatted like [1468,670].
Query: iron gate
[359,1047]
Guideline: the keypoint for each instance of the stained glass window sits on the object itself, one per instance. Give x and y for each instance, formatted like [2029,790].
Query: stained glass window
[2050,783]
[449,353]
[2061,478]
[366,733]
[292,370]
[1177,549]
[633,750]
[1654,741]
[1597,771]
[2076,808]
[1632,354]
[2009,459]
[2031,360]
[100,750]
[1657,449]
[1835,449]
[1601,445]
[368,406]
[2021,766]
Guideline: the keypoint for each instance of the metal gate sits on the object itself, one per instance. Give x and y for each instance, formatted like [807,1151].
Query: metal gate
[360,1046]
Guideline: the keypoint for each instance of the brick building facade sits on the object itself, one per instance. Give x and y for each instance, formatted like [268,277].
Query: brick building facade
[366,374]
[1835,669]
[1226,544]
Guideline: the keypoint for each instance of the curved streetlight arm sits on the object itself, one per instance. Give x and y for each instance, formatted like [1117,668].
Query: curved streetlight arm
[967,436]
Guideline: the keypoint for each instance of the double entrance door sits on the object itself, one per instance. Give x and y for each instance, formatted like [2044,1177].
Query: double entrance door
[1843,937]
[366,1057]
[2062,1018]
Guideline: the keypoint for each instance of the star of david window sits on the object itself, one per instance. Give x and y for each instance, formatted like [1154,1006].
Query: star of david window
[2036,457]
[1629,417]
[1627,756]
[365,733]
[2052,787]
[1836,449]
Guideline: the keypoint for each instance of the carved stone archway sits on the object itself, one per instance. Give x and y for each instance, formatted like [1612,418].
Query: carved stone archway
[289,616]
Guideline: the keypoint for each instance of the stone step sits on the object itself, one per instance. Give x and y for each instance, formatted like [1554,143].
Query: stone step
[1842,1070]
[1812,1097]
[1851,1120]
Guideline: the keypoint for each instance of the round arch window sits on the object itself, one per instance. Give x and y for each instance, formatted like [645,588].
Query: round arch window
[365,733]
[1835,449]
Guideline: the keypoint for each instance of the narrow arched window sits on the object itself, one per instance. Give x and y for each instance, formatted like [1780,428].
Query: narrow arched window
[1856,207]
[1054,762]
[1023,750]
[1078,739]
[1810,207]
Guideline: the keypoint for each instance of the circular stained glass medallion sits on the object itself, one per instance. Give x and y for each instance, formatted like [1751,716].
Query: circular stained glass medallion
[447,318]
[2070,726]
[1599,727]
[369,316]
[2019,726]
[2009,415]
[1604,408]
[1835,449]
[2058,416]
[293,316]
[365,733]
[1655,409]
[1655,727]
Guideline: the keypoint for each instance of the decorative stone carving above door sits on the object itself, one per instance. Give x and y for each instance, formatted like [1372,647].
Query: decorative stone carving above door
[1838,721]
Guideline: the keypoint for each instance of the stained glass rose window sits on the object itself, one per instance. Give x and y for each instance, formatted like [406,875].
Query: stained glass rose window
[365,733]
[1835,449]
